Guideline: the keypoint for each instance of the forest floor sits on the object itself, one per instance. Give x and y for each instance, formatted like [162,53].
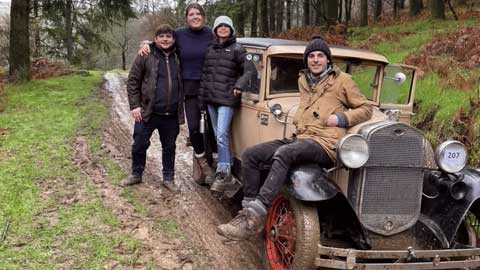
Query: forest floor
[177,230]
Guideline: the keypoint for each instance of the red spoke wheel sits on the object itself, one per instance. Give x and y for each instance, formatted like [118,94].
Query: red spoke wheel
[292,235]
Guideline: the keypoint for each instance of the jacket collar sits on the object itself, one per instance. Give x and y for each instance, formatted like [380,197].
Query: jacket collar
[158,51]
[332,73]
[320,86]
[227,43]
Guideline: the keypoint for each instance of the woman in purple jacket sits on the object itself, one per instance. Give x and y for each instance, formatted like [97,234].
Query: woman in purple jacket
[192,43]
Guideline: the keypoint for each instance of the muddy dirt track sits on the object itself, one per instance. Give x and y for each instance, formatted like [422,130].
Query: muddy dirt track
[193,209]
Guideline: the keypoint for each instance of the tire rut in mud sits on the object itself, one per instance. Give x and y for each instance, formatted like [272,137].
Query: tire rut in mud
[194,209]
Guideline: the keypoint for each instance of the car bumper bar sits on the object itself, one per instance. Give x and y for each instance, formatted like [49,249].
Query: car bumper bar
[340,258]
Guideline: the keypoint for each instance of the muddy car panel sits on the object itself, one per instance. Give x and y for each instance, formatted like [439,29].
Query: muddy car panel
[382,205]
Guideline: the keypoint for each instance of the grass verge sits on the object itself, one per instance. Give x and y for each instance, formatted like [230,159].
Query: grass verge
[55,218]
[438,107]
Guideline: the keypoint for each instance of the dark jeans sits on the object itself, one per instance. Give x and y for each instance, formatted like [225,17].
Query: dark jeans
[168,130]
[279,156]
[192,112]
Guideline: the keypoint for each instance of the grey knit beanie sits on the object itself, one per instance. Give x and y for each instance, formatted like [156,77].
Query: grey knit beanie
[317,44]
[225,20]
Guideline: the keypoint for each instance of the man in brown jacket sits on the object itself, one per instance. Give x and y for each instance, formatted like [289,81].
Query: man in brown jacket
[330,102]
[155,95]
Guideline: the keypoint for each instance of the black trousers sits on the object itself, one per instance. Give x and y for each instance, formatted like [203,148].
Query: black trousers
[278,156]
[192,112]
[168,129]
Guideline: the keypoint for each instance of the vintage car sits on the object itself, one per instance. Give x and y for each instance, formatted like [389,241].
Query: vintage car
[390,202]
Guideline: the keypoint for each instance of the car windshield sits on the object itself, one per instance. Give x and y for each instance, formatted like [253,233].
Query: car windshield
[284,71]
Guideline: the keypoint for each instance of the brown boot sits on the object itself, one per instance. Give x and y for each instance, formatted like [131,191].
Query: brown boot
[246,224]
[170,185]
[131,180]
[207,170]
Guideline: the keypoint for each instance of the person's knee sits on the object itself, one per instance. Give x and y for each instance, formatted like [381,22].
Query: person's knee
[140,145]
[283,153]
[249,155]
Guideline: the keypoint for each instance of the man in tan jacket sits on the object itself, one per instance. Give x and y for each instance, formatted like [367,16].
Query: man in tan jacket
[330,102]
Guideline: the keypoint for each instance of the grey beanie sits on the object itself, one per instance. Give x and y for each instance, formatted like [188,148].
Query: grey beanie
[225,20]
[317,44]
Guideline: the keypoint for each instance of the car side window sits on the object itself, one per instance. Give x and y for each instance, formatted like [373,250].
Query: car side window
[284,74]
[365,76]
[254,60]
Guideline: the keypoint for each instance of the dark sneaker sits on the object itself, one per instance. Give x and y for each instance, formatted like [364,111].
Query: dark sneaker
[245,225]
[131,180]
[170,185]
[222,180]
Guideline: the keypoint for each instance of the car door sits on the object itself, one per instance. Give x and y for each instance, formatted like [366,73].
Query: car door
[245,130]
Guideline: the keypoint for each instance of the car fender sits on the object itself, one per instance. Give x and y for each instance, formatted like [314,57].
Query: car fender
[443,209]
[310,182]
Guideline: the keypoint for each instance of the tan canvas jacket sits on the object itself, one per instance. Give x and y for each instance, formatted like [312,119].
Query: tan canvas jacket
[337,93]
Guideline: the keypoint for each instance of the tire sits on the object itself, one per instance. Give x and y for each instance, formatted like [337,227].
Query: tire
[469,231]
[292,235]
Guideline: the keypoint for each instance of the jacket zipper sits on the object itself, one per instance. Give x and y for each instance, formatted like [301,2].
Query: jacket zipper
[169,91]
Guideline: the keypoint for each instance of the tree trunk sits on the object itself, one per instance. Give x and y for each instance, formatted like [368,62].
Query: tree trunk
[36,24]
[377,14]
[331,12]
[306,12]
[401,4]
[240,26]
[264,18]
[453,10]
[340,11]
[395,9]
[253,24]
[68,38]
[19,51]
[438,9]
[279,19]
[271,16]
[124,44]
[363,12]
[289,14]
[319,16]
[348,11]
[414,7]
[298,13]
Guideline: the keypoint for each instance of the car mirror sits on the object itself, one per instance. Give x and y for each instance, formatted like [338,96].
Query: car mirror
[399,78]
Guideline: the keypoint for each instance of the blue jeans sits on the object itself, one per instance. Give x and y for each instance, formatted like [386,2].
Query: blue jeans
[221,118]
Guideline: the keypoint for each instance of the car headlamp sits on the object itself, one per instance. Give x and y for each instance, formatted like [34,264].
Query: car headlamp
[451,156]
[353,151]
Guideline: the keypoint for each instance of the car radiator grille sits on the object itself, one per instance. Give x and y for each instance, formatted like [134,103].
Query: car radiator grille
[392,179]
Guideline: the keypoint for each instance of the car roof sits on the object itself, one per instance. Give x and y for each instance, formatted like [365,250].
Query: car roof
[278,46]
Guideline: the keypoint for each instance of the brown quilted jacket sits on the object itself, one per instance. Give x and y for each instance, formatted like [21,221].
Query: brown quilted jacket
[337,93]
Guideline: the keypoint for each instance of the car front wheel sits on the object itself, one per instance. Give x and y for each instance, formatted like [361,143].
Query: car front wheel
[292,235]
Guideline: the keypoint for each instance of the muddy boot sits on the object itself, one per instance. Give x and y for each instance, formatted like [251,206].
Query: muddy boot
[206,170]
[131,180]
[221,181]
[170,185]
[249,222]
